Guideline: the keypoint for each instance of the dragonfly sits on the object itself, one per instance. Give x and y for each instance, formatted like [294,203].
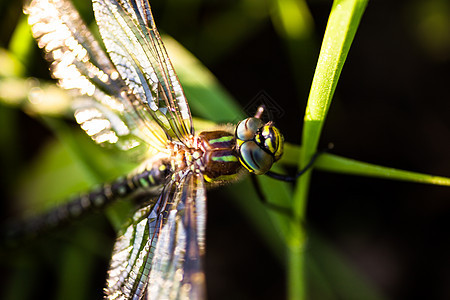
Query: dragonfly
[130,97]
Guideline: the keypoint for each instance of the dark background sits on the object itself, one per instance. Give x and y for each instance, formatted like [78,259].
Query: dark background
[391,108]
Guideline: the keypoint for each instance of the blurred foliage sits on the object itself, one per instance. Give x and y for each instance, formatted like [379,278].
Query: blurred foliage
[431,27]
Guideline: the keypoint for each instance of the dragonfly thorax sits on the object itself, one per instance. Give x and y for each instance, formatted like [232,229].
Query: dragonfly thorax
[210,153]
[220,161]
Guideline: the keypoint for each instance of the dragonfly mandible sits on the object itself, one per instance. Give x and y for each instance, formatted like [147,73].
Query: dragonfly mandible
[131,98]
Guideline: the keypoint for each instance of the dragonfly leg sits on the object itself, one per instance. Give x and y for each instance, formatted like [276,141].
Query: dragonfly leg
[281,209]
[290,178]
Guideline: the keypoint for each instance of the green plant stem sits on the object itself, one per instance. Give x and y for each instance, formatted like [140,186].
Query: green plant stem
[341,28]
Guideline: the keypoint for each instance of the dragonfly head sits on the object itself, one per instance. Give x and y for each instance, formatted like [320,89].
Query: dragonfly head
[259,145]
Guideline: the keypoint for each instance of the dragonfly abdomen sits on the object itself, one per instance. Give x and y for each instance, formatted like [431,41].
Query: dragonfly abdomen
[149,180]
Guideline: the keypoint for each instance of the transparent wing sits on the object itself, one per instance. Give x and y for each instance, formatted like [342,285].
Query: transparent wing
[159,255]
[135,47]
[134,249]
[105,110]
[177,271]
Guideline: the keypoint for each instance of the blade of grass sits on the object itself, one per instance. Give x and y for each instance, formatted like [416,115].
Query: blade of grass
[338,164]
[341,28]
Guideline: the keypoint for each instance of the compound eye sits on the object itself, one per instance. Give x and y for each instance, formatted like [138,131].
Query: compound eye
[255,159]
[246,129]
[271,140]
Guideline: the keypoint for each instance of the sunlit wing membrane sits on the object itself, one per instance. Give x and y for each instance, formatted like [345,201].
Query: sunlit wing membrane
[104,125]
[134,250]
[79,63]
[159,255]
[147,21]
[140,57]
[176,267]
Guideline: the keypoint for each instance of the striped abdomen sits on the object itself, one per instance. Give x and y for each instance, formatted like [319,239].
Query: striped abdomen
[150,180]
